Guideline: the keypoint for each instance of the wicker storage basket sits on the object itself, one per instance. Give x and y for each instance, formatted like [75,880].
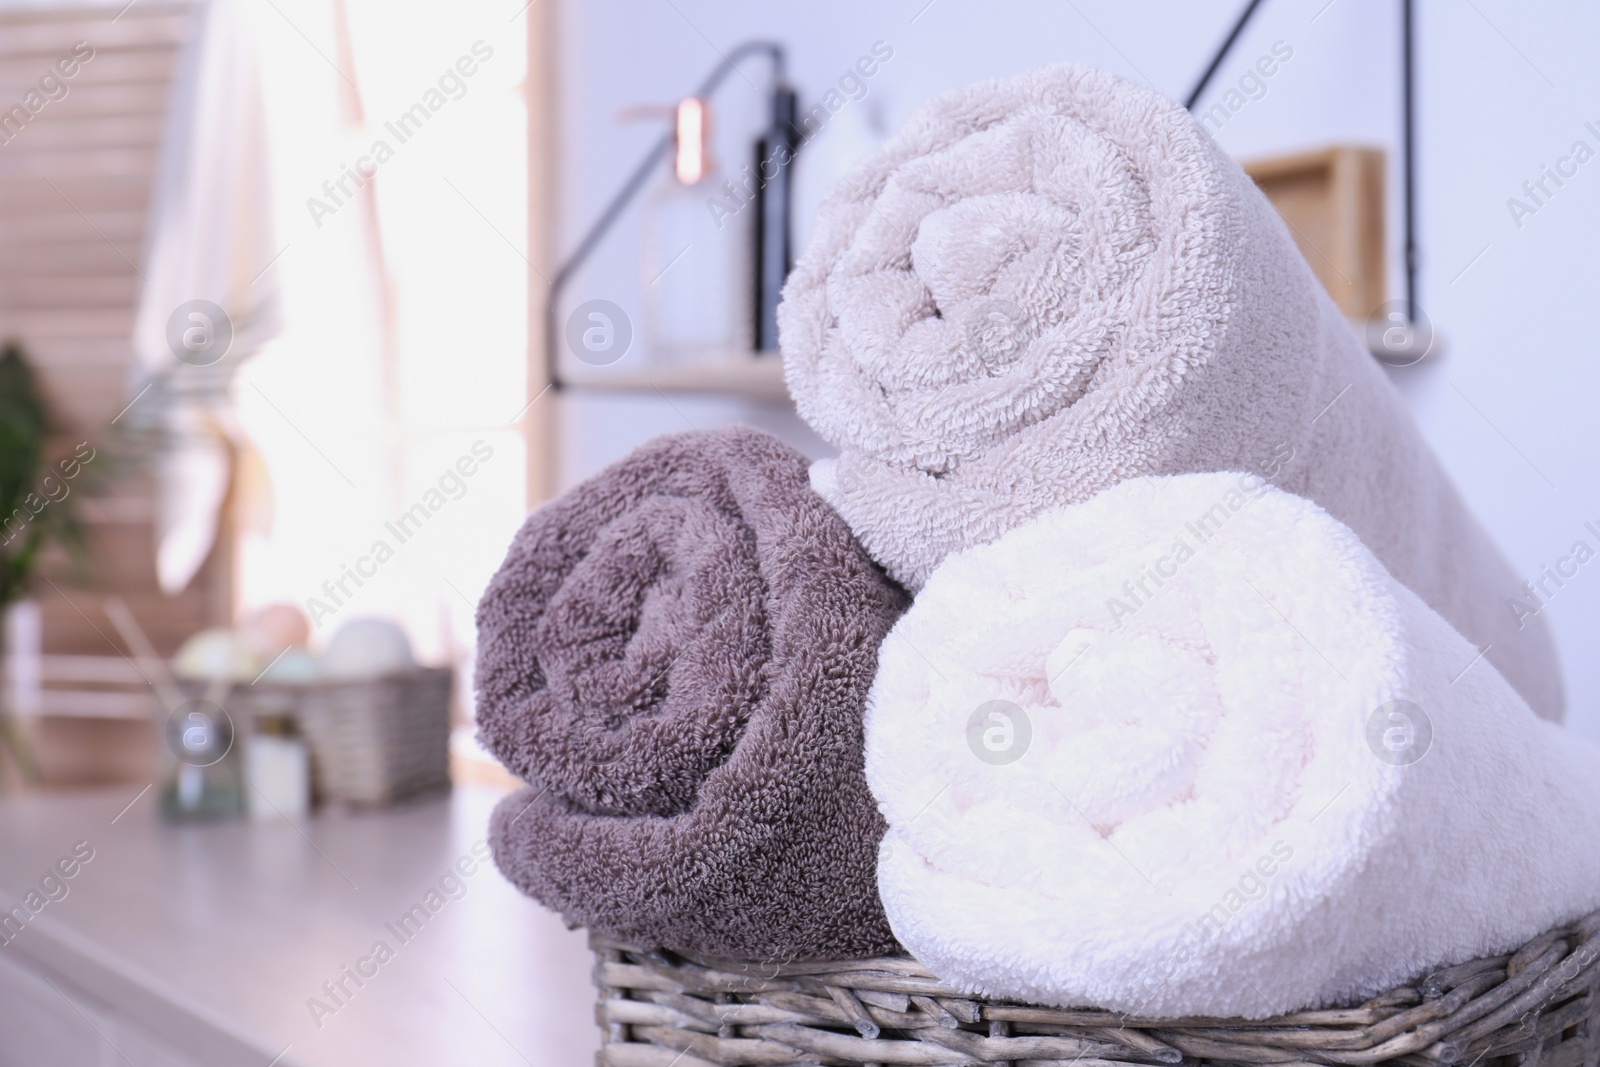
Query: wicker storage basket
[659,1009]
[379,740]
[371,741]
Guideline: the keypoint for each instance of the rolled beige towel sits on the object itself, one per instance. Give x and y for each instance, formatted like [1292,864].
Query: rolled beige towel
[1048,284]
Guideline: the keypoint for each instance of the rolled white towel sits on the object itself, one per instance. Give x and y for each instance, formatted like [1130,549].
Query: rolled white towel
[1188,748]
[1048,284]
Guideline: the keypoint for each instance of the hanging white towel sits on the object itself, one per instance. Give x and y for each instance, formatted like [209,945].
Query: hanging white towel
[210,247]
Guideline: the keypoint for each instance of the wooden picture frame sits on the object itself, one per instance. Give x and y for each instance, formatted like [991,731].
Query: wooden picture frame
[1333,202]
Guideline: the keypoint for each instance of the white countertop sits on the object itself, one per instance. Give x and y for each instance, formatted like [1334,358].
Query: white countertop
[214,937]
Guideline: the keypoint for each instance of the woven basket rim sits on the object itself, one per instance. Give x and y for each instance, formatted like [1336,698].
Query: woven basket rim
[1540,997]
[322,681]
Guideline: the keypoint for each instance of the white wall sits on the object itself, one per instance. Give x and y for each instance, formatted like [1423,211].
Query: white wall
[1504,88]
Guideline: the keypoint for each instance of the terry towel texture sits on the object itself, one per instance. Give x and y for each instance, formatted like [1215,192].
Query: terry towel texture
[676,656]
[1048,284]
[1188,748]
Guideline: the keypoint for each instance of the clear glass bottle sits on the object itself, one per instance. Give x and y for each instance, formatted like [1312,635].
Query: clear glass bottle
[201,773]
[694,271]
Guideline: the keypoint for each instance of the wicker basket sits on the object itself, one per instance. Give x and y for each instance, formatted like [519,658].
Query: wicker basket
[658,1009]
[371,741]
[378,741]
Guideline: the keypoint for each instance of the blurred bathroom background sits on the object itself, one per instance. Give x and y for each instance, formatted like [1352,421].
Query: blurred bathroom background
[288,274]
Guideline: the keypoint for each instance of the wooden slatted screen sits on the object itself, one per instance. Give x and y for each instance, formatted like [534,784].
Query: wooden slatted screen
[76,183]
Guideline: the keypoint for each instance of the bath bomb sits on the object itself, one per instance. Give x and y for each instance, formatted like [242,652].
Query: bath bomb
[368,648]
[216,653]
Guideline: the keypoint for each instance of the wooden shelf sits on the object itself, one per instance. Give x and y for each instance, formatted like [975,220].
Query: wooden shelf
[756,377]
[78,687]
[97,704]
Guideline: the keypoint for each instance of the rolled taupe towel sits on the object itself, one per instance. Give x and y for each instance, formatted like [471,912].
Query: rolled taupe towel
[1052,283]
[676,656]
